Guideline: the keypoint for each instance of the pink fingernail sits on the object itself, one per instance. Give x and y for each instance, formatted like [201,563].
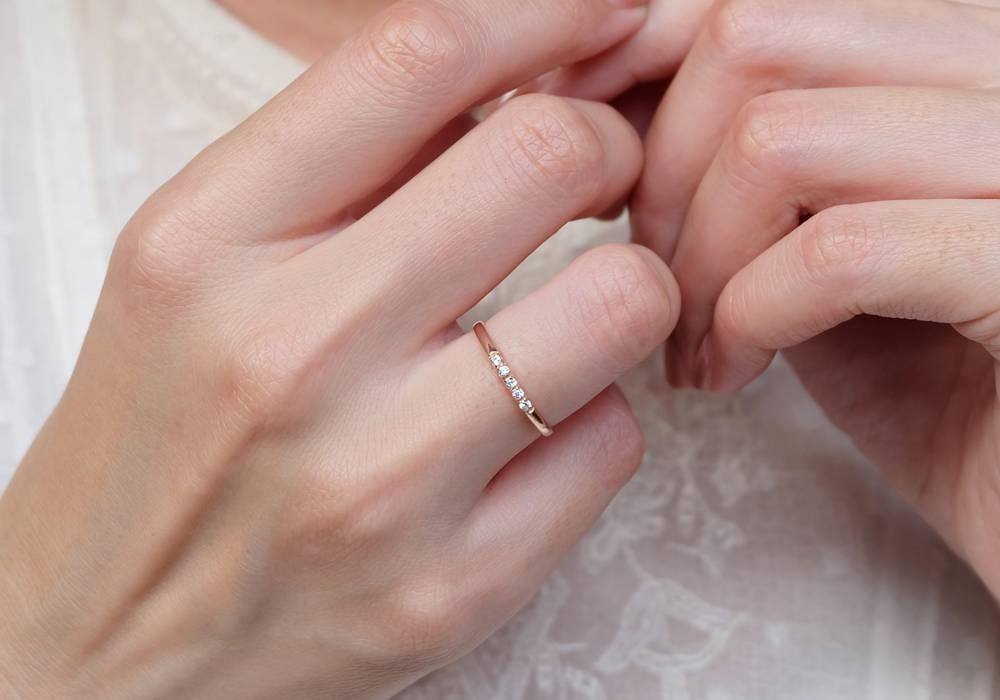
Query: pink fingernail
[702,369]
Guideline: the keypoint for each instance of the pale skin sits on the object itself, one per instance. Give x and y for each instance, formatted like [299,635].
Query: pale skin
[281,470]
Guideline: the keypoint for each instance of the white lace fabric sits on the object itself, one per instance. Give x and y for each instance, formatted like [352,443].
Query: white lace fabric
[755,556]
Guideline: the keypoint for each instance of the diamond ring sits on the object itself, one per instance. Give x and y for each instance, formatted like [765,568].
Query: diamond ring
[507,377]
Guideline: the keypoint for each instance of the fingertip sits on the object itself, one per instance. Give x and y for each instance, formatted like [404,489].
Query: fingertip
[721,368]
[623,150]
[671,289]
[616,129]
[625,438]
[614,441]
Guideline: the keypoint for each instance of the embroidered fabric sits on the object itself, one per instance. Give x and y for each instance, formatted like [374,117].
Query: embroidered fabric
[755,556]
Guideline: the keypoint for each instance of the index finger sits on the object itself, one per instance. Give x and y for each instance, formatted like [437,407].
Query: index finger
[355,118]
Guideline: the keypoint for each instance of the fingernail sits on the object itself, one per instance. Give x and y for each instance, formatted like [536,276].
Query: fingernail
[702,370]
[622,20]
[545,82]
[487,109]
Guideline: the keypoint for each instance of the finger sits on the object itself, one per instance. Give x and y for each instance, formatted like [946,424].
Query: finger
[792,154]
[637,105]
[428,253]
[652,54]
[564,344]
[545,500]
[933,260]
[354,119]
[749,47]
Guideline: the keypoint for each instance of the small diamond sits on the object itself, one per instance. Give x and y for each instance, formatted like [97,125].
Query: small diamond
[504,371]
[518,394]
[526,405]
[496,359]
[510,382]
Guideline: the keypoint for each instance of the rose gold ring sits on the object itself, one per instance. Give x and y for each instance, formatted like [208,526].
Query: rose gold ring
[507,377]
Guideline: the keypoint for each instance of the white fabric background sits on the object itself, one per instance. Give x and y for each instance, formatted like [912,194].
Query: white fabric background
[756,556]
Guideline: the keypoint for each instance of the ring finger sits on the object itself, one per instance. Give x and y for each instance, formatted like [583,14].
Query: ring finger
[564,344]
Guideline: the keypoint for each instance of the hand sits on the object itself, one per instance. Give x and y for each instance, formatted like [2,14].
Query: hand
[280,469]
[814,162]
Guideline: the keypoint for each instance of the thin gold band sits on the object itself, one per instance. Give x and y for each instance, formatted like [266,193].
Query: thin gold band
[506,376]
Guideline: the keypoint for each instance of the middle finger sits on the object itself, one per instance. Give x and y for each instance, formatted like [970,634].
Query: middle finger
[354,119]
[438,245]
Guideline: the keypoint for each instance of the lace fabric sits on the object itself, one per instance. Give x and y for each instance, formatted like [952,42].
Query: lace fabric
[755,556]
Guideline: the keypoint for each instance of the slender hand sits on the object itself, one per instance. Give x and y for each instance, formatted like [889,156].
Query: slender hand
[280,469]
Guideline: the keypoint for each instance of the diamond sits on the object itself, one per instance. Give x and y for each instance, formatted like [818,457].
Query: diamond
[518,394]
[510,382]
[504,371]
[526,405]
[496,359]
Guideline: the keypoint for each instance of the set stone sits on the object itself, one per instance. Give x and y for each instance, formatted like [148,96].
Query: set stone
[515,390]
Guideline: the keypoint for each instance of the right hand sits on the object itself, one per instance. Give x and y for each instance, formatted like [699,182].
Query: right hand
[280,470]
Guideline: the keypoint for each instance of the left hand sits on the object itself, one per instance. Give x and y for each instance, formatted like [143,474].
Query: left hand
[817,161]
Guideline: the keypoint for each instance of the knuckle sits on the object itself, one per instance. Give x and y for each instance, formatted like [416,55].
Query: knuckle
[162,257]
[431,620]
[626,307]
[554,146]
[417,47]
[269,363]
[773,134]
[339,516]
[746,30]
[840,247]
[262,369]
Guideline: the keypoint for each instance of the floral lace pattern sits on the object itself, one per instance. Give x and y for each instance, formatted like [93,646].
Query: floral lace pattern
[755,555]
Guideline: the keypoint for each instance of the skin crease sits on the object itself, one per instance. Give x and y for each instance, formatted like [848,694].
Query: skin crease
[279,468]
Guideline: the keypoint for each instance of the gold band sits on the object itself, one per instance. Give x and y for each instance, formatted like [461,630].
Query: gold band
[506,376]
